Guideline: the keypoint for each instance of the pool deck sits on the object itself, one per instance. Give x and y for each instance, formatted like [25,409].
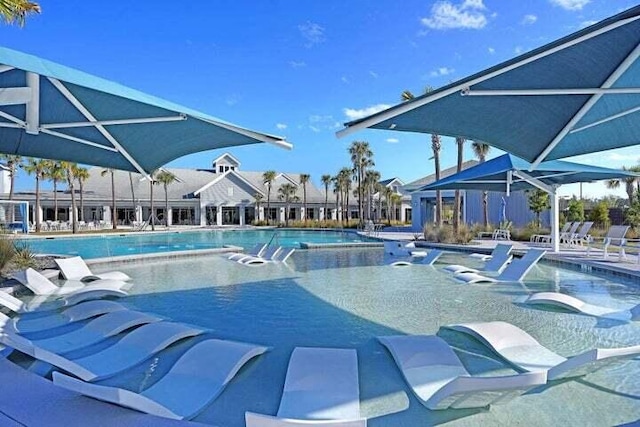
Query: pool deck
[573,257]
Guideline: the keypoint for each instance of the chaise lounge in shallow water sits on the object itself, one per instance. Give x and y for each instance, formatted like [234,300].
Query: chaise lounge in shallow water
[74,268]
[524,352]
[269,254]
[76,313]
[439,380]
[577,305]
[255,251]
[321,388]
[428,259]
[497,261]
[397,248]
[134,348]
[514,272]
[42,303]
[40,285]
[192,383]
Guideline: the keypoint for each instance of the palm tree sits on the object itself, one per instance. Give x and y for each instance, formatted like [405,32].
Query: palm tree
[436,146]
[326,181]
[456,208]
[36,168]
[338,192]
[304,180]
[114,219]
[629,183]
[287,193]
[152,215]
[13,163]
[396,200]
[69,173]
[166,178]
[371,178]
[344,184]
[388,195]
[82,175]
[481,150]
[258,198]
[380,190]
[268,178]
[15,11]
[55,173]
[362,159]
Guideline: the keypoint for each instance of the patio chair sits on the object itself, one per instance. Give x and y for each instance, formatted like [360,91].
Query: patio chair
[76,313]
[614,237]
[546,238]
[498,260]
[134,348]
[74,268]
[576,305]
[94,332]
[582,236]
[521,350]
[514,272]
[439,380]
[321,388]
[256,250]
[191,384]
[40,285]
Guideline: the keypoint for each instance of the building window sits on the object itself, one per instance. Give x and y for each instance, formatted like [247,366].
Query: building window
[220,169]
[407,214]
[183,216]
[271,214]
[309,213]
[230,216]
[292,213]
[249,215]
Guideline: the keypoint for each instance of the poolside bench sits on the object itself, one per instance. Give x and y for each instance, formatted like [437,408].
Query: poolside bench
[614,237]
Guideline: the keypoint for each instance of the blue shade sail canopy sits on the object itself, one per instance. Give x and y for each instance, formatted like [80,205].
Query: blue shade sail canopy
[51,111]
[579,94]
[494,174]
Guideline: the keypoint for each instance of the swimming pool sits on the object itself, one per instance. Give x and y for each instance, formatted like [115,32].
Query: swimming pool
[109,245]
[345,298]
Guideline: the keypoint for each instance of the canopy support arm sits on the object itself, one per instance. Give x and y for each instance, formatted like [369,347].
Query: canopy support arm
[534,181]
[617,73]
[280,142]
[114,122]
[85,112]
[552,92]
[33,104]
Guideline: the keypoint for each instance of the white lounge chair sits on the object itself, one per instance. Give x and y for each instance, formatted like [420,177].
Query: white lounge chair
[94,332]
[321,388]
[523,351]
[546,238]
[40,285]
[615,237]
[269,255]
[134,348]
[257,250]
[284,254]
[574,304]
[74,268]
[83,311]
[498,260]
[582,236]
[514,272]
[439,380]
[429,259]
[403,249]
[40,303]
[192,383]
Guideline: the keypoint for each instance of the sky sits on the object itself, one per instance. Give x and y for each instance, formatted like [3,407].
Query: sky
[301,69]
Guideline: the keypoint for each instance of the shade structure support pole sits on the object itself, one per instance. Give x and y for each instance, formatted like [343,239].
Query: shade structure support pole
[33,104]
[555,226]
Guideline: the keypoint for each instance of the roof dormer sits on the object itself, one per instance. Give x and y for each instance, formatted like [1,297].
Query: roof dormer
[225,163]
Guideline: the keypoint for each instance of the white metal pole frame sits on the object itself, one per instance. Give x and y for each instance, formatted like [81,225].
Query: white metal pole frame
[555,222]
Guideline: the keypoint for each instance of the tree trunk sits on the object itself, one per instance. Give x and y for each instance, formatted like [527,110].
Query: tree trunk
[55,201]
[37,210]
[268,216]
[485,207]
[152,217]
[166,207]
[436,159]
[12,175]
[81,201]
[74,220]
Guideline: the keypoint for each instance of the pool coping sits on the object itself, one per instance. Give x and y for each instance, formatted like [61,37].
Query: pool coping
[126,259]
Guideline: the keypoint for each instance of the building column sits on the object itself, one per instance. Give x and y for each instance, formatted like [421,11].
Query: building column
[283,214]
[260,213]
[169,216]
[219,215]
[241,212]
[303,213]
[203,213]
[106,214]
[555,228]
[138,209]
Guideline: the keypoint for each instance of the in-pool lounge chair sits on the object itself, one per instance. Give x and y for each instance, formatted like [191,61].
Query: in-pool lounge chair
[321,388]
[500,257]
[523,351]
[94,332]
[269,255]
[40,285]
[76,313]
[134,348]
[192,383]
[514,272]
[284,254]
[74,268]
[577,305]
[396,248]
[40,304]
[429,259]
[438,379]
[256,250]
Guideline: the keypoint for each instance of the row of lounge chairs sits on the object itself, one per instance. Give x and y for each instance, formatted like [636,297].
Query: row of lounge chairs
[262,253]
[572,233]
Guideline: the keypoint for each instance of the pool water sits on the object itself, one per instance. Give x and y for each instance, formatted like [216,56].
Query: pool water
[143,243]
[345,298]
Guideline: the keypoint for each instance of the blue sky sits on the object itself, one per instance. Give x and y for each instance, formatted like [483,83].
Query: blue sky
[301,69]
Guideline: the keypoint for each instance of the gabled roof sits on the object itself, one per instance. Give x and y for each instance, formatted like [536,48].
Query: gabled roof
[225,175]
[230,159]
[390,181]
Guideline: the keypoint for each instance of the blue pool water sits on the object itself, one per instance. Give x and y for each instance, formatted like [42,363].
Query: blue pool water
[144,243]
[345,298]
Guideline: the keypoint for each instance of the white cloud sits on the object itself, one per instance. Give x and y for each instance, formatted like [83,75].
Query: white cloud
[586,24]
[393,140]
[312,32]
[373,74]
[617,157]
[442,71]
[353,114]
[570,4]
[297,64]
[491,50]
[518,50]
[233,99]
[446,15]
[320,122]
[529,19]
[281,126]
[344,79]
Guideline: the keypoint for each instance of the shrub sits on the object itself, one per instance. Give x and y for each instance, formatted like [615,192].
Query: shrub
[7,250]
[23,256]
[575,210]
[600,215]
